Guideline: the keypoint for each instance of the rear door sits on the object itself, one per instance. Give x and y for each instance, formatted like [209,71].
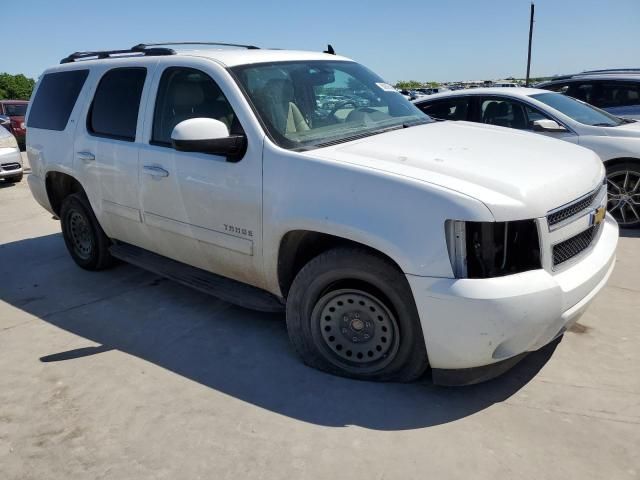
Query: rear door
[201,209]
[107,147]
[621,98]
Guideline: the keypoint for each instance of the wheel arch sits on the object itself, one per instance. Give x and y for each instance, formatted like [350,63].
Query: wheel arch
[618,160]
[59,185]
[298,247]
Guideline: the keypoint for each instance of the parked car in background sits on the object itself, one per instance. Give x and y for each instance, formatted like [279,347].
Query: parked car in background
[5,122]
[616,91]
[614,139]
[506,85]
[16,111]
[10,158]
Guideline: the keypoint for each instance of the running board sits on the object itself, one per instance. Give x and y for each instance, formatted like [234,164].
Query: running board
[224,288]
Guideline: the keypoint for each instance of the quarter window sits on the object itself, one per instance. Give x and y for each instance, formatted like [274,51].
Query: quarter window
[55,98]
[186,93]
[114,111]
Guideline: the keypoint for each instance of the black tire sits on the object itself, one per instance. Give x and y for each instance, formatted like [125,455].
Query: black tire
[623,187]
[83,236]
[14,179]
[364,282]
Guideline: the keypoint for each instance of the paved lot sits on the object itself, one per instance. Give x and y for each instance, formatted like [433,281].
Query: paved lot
[121,374]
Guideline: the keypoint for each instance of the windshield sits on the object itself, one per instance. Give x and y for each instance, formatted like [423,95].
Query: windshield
[310,104]
[579,111]
[16,109]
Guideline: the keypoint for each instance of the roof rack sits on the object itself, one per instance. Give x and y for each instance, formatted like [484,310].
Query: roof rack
[148,49]
[614,70]
[146,45]
[101,54]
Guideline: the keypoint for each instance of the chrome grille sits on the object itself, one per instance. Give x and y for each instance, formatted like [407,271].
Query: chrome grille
[573,246]
[572,209]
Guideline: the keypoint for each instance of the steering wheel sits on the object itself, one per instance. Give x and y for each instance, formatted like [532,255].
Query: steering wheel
[340,106]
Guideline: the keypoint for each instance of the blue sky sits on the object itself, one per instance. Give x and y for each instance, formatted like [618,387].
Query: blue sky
[428,40]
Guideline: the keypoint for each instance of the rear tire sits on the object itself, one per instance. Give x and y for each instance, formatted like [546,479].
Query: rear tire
[351,313]
[623,190]
[14,179]
[83,236]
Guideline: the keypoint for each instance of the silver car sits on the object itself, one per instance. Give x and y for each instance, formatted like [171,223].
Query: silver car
[10,158]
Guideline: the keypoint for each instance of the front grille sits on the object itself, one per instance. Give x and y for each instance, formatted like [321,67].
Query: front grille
[573,246]
[9,166]
[572,209]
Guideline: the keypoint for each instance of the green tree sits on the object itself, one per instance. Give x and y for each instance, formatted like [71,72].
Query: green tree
[15,87]
[408,84]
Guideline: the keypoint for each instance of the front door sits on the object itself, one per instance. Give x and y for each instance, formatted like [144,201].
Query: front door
[200,209]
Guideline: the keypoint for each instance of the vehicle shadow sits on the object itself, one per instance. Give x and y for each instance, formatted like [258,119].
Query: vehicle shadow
[236,351]
[630,232]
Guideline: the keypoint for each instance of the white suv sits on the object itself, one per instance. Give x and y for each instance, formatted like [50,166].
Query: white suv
[394,242]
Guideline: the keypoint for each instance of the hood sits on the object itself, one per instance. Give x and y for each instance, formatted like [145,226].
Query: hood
[625,130]
[517,175]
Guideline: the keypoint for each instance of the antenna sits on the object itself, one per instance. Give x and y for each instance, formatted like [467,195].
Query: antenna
[330,50]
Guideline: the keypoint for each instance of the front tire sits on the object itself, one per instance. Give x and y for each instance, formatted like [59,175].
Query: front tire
[623,190]
[83,236]
[351,313]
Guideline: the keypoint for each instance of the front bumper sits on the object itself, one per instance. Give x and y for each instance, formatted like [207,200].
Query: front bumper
[10,162]
[470,323]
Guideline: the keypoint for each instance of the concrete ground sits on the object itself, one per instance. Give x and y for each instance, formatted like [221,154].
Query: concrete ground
[124,375]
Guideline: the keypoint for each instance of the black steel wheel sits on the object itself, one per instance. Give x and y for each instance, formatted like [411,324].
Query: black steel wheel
[350,312]
[623,191]
[355,330]
[83,236]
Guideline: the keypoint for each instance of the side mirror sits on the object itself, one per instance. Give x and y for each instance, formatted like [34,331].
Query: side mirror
[207,135]
[547,125]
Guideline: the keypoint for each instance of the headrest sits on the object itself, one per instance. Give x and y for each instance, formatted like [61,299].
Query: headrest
[187,94]
[279,90]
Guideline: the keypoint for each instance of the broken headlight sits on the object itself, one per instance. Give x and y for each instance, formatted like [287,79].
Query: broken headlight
[492,249]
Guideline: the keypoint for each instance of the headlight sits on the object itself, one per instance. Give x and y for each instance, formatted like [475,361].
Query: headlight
[492,249]
[8,141]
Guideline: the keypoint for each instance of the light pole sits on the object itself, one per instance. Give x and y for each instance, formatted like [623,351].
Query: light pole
[533,7]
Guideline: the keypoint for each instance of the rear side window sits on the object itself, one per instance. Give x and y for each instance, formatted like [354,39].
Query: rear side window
[114,111]
[55,98]
[617,94]
[452,109]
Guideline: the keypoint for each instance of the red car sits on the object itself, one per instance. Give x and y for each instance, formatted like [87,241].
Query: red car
[15,110]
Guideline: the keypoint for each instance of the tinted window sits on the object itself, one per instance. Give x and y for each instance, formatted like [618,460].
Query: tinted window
[186,93]
[15,109]
[619,95]
[55,98]
[452,109]
[504,113]
[114,111]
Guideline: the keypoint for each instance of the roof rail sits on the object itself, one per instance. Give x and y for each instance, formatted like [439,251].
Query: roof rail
[146,45]
[614,70]
[101,54]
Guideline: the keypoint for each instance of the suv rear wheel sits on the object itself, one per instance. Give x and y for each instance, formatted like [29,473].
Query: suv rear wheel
[85,239]
[623,189]
[351,313]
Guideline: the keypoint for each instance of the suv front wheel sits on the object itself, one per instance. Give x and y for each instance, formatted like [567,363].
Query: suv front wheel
[351,313]
[85,239]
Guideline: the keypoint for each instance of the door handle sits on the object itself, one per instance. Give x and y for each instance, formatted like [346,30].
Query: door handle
[86,156]
[155,171]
